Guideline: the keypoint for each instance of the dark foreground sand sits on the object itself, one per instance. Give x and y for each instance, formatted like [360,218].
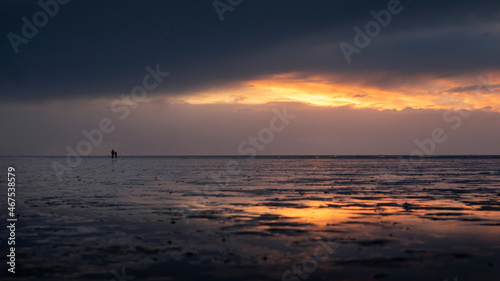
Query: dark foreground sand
[266,219]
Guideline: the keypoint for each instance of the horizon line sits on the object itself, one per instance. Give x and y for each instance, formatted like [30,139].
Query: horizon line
[270,155]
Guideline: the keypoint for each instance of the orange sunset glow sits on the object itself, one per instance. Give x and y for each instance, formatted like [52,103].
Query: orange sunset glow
[332,92]
[256,140]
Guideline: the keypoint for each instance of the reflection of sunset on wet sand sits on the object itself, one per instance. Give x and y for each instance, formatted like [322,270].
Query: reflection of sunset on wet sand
[272,213]
[250,140]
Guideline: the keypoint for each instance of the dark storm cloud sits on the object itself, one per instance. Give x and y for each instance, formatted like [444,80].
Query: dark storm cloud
[100,48]
[483,88]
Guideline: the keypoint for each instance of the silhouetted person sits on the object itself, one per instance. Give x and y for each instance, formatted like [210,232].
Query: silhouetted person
[116,154]
[112,153]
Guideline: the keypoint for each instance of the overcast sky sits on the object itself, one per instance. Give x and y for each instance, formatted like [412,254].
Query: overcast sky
[67,67]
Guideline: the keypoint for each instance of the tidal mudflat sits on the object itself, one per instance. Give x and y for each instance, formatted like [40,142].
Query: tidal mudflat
[271,218]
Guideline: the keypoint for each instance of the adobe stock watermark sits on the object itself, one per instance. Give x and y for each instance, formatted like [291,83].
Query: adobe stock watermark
[487,84]
[310,264]
[372,29]
[221,7]
[30,28]
[221,179]
[438,136]
[428,146]
[122,277]
[94,137]
[265,135]
[250,147]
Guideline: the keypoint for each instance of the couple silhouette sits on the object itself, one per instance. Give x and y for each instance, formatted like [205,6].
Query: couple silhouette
[114,154]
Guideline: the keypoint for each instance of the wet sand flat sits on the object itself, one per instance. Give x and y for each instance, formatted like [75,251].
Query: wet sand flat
[271,218]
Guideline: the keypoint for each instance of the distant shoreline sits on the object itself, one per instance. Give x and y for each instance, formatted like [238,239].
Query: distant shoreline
[259,156]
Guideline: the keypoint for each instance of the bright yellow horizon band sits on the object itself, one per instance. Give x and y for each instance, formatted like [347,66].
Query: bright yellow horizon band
[319,91]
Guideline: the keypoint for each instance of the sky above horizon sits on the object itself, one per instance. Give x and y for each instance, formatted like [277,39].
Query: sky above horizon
[235,77]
